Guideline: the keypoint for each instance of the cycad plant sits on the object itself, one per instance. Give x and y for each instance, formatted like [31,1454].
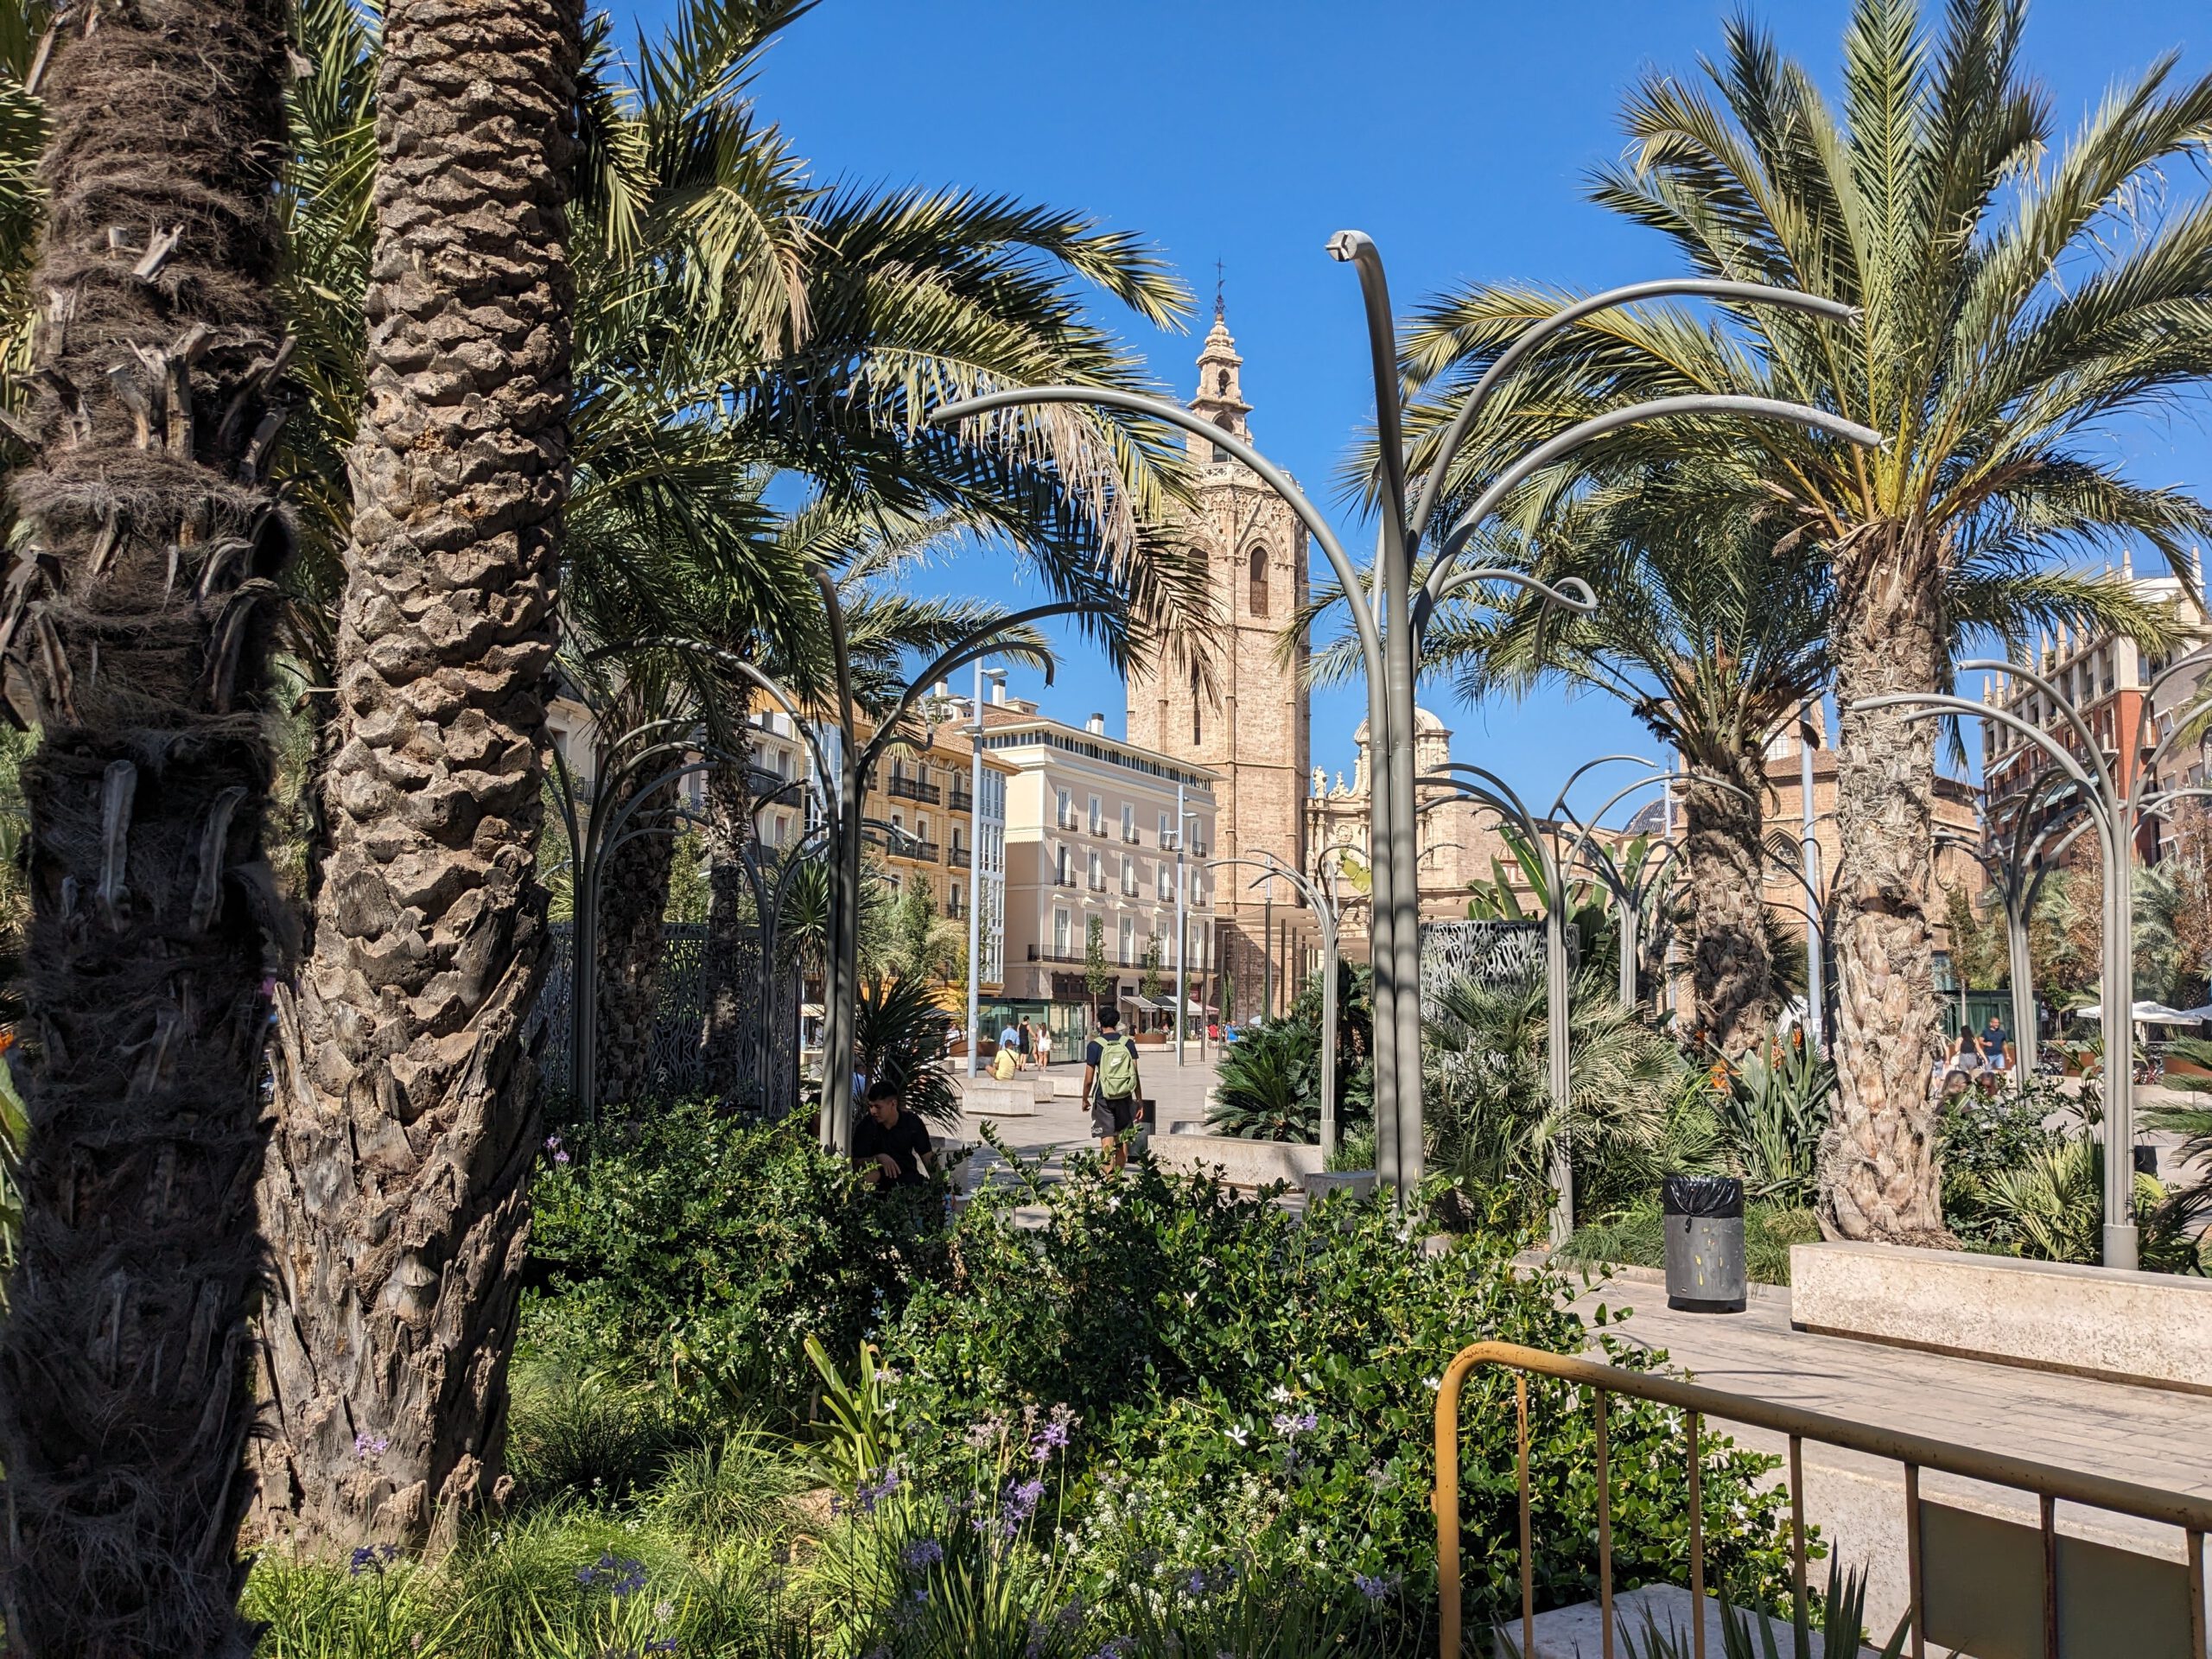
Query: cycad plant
[1939,201]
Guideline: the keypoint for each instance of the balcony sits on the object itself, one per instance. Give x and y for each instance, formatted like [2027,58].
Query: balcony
[962,858]
[963,798]
[1065,823]
[918,852]
[1098,884]
[1062,879]
[1131,836]
[913,789]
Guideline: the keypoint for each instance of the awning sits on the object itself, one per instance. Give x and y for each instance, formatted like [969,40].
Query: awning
[2151,1013]
[1142,1004]
[814,1010]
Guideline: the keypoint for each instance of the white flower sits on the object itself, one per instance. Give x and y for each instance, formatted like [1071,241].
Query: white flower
[1240,1435]
[1279,1395]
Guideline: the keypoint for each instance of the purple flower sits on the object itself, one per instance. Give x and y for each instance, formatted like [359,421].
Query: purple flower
[984,1432]
[1020,1504]
[926,1553]
[666,1644]
[1290,1428]
[867,1495]
[365,1561]
[552,1143]
[1196,1584]
[618,1578]
[368,1446]
[1376,1588]
[560,1157]
[1116,1647]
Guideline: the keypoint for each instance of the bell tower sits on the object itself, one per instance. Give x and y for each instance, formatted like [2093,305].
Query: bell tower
[1252,724]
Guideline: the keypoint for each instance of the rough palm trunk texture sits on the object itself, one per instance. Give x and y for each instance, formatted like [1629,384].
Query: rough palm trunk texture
[1732,970]
[732,1021]
[632,899]
[1878,1178]
[133,613]
[394,1195]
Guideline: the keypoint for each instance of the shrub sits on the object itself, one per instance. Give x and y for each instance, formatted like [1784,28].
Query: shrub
[1772,1116]
[1270,1083]
[899,1031]
[703,1252]
[1256,1394]
[1983,1137]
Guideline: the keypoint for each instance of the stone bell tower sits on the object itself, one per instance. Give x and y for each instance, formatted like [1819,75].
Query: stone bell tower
[1253,722]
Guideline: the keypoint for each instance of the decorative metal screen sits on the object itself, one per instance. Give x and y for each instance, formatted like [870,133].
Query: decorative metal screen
[765,1077]
[1496,953]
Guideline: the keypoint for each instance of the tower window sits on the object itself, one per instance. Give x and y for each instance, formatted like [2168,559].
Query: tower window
[1225,424]
[1258,563]
[1221,382]
[1198,717]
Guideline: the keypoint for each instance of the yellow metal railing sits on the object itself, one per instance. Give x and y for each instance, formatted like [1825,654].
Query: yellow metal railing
[1935,1561]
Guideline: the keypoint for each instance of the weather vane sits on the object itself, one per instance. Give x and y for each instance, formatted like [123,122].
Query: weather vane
[1217,282]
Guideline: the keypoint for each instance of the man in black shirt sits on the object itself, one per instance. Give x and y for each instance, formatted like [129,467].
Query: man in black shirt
[891,1145]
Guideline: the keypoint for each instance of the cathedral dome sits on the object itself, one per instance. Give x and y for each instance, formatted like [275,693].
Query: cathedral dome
[1425,725]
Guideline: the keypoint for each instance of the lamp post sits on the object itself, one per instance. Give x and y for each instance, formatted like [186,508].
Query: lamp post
[2117,804]
[1184,820]
[997,676]
[1323,902]
[1809,859]
[1388,616]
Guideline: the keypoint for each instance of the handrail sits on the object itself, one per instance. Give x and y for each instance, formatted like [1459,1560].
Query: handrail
[1915,1452]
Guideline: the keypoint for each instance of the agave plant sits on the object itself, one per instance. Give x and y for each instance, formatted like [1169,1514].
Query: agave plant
[1745,1633]
[1773,1115]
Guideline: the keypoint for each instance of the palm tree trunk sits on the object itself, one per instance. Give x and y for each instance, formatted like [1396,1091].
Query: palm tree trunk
[632,899]
[394,1196]
[732,1018]
[1731,970]
[135,619]
[1879,1178]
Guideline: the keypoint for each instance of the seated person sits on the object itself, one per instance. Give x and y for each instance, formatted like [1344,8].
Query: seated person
[891,1145]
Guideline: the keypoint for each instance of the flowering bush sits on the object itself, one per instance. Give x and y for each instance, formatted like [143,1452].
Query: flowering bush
[1250,1395]
[706,1252]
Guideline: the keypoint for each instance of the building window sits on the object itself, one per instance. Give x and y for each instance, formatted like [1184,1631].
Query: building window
[1067,880]
[1164,830]
[1167,881]
[1221,381]
[1062,934]
[1128,940]
[1129,823]
[1129,876]
[1065,804]
[1256,564]
[1097,816]
[1097,872]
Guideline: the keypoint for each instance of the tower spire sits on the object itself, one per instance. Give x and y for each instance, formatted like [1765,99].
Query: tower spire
[1220,280]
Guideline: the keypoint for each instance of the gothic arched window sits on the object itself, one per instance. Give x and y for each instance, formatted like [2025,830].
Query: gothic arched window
[1258,561]
[1221,382]
[1225,424]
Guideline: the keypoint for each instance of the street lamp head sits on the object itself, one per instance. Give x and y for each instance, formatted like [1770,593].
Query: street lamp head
[1347,246]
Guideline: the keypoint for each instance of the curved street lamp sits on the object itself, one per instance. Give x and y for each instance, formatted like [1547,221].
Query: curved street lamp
[1323,902]
[2118,809]
[1388,623]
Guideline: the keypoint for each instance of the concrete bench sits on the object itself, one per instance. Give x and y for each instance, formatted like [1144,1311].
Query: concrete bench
[988,1097]
[1239,1162]
[2152,1328]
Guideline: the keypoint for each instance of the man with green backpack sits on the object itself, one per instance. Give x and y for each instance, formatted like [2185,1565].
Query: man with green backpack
[1111,1086]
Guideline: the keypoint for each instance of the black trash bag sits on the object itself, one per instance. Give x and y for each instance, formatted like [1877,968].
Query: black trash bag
[1710,1197]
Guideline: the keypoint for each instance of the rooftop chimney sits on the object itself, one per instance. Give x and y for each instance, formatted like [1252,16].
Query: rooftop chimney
[998,692]
[1096,725]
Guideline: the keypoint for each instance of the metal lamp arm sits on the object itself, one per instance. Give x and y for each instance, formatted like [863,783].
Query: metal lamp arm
[1359,249]
[1581,601]
[1768,408]
[2195,659]
[1558,802]
[1929,705]
[1347,574]
[2067,711]
[1451,774]
[982,642]
[1533,336]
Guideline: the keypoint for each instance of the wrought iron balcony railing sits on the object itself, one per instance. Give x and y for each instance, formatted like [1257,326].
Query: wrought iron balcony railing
[913,789]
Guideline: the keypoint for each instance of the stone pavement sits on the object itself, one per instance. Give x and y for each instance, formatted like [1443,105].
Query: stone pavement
[2155,1437]
[1062,1124]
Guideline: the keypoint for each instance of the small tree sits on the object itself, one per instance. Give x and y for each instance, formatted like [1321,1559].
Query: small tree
[1154,985]
[1097,975]
[1228,997]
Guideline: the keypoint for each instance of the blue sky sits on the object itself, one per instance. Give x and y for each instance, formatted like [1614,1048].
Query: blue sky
[1456,135]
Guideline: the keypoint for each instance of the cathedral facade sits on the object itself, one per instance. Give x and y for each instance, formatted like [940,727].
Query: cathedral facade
[1245,713]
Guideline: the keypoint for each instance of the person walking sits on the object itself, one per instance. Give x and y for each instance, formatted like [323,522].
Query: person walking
[1044,1047]
[1028,1042]
[1112,1089]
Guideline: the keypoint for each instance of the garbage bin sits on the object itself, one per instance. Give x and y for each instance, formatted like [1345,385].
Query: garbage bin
[1705,1242]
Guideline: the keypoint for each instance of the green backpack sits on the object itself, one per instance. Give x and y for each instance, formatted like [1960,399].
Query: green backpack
[1117,1067]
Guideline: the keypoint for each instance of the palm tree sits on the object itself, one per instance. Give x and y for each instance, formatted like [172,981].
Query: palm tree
[1936,201]
[1714,635]
[394,1198]
[148,531]
[727,320]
